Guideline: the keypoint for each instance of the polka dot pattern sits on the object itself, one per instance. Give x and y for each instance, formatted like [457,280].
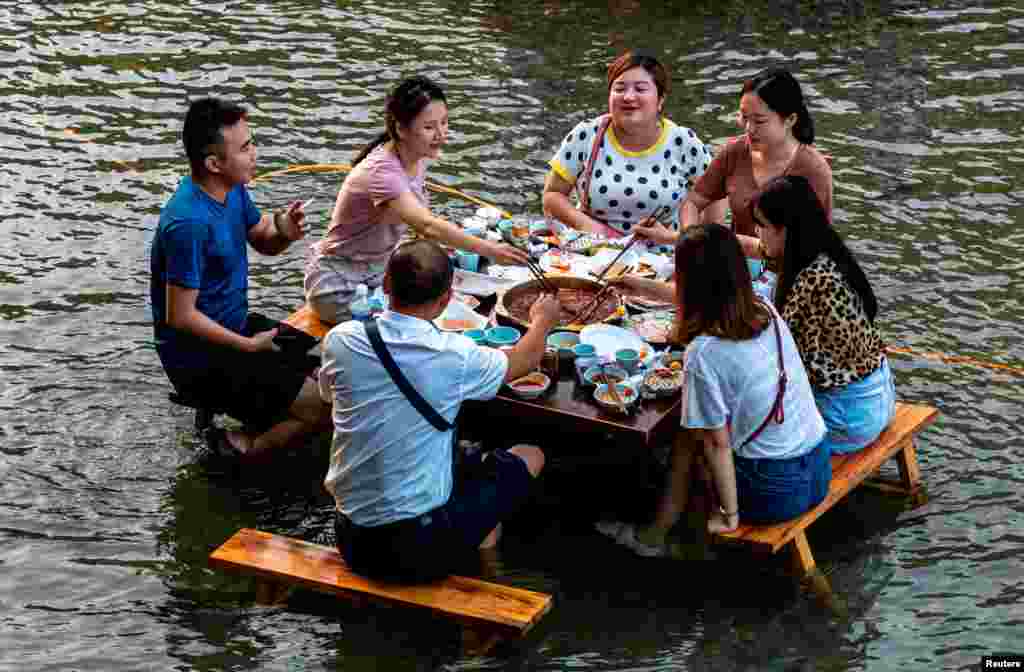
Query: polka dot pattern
[628,187]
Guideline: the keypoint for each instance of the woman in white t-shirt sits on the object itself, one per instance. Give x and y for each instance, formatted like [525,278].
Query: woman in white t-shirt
[382,198]
[746,398]
[638,159]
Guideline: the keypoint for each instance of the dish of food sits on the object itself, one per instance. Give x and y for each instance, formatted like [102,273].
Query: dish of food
[458,316]
[643,304]
[655,326]
[452,324]
[664,380]
[572,300]
[625,392]
[607,339]
[468,299]
[531,385]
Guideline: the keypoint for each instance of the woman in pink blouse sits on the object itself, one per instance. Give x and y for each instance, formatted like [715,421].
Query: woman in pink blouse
[778,140]
[382,198]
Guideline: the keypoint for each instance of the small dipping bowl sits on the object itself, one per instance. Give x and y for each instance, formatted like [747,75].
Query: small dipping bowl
[565,341]
[479,336]
[530,386]
[627,392]
[502,336]
[613,372]
[628,358]
[468,261]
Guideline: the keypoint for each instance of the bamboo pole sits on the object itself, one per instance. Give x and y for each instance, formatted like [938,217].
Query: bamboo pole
[440,188]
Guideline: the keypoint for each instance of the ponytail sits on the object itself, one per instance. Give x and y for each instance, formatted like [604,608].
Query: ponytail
[383,137]
[803,129]
[782,94]
[402,107]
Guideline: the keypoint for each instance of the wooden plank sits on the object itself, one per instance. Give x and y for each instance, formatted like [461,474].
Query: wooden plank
[906,462]
[803,559]
[477,604]
[308,321]
[848,471]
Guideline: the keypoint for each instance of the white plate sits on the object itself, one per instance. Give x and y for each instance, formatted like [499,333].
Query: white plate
[457,310]
[607,338]
[579,265]
[605,256]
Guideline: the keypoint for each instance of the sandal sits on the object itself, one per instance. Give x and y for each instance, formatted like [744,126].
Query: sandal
[624,534]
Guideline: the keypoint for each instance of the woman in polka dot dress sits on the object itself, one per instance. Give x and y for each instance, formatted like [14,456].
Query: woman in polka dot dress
[642,160]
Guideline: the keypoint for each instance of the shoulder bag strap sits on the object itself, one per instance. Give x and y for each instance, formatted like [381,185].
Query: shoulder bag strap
[777,412]
[583,183]
[418,402]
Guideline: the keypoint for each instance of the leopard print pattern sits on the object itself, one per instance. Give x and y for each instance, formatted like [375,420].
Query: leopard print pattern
[837,342]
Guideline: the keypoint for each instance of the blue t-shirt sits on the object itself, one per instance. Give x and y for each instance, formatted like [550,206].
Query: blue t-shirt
[201,244]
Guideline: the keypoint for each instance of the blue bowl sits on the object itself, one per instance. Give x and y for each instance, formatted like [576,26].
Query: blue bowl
[479,336]
[565,341]
[584,350]
[499,336]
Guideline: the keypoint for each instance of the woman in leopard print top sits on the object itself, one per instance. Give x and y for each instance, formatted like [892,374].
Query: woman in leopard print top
[826,300]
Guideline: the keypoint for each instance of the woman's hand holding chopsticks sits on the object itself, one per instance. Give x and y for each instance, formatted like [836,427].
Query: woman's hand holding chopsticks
[653,227]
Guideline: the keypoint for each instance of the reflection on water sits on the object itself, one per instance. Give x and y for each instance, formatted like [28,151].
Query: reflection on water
[108,515]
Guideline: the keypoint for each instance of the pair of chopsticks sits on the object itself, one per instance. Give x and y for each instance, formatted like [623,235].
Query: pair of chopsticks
[613,391]
[586,311]
[600,276]
[538,273]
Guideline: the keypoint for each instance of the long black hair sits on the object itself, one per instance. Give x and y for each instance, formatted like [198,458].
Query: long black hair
[714,295]
[780,91]
[789,202]
[402,106]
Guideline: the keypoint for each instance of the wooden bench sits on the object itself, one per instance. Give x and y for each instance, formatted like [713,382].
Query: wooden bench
[488,612]
[848,471]
[308,321]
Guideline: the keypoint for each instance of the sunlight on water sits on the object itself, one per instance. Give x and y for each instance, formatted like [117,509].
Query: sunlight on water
[108,517]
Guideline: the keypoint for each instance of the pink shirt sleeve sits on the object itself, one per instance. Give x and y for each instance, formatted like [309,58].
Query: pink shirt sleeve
[387,180]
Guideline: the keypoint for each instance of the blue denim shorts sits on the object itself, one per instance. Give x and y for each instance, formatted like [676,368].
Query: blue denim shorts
[857,413]
[771,491]
[441,541]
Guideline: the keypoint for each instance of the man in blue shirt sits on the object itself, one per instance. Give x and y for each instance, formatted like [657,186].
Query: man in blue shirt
[401,513]
[212,349]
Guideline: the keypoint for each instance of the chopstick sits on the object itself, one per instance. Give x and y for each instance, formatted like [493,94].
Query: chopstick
[538,273]
[613,391]
[601,275]
[587,310]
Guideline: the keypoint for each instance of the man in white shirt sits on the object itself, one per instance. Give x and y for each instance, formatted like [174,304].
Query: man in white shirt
[400,513]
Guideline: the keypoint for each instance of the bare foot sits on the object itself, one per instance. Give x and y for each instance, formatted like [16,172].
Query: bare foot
[241,442]
[721,522]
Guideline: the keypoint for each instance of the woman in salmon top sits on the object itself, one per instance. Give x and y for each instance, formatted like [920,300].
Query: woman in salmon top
[778,140]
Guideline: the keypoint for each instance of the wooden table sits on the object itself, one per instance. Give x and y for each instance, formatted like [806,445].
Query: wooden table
[567,409]
[570,409]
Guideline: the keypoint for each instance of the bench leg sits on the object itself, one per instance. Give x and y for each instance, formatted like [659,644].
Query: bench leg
[910,475]
[906,461]
[478,642]
[271,593]
[802,558]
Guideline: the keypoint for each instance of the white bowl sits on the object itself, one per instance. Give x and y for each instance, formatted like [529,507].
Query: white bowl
[457,316]
[539,384]
[627,392]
